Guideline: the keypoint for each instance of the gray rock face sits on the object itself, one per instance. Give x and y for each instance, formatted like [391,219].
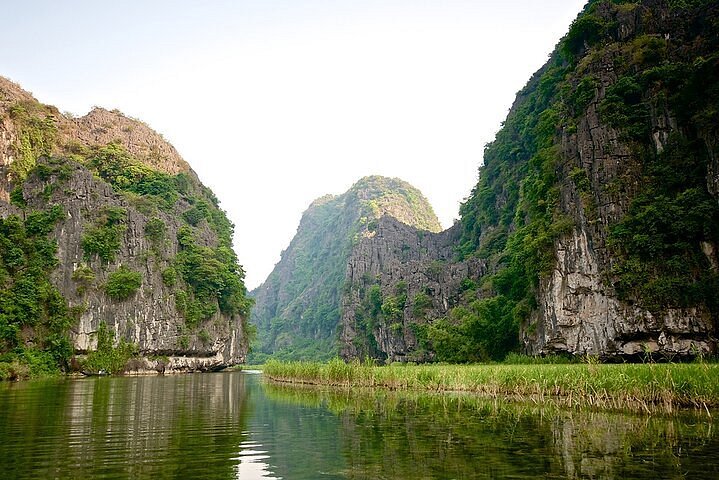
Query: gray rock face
[578,310]
[579,314]
[150,317]
[397,253]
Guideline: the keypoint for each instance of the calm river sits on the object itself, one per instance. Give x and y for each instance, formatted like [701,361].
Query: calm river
[233,425]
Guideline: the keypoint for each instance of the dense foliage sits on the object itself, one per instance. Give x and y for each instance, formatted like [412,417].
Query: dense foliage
[108,357]
[122,283]
[103,238]
[37,133]
[116,166]
[658,243]
[34,317]
[213,278]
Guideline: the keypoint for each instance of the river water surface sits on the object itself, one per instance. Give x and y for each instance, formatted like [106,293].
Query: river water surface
[234,425]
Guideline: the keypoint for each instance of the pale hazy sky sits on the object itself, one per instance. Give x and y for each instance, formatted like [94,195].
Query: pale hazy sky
[275,103]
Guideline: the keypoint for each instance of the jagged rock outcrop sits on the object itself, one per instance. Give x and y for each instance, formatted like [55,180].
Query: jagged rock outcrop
[423,266]
[129,203]
[99,127]
[297,309]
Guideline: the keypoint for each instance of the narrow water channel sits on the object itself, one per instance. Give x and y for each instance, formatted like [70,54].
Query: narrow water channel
[235,426]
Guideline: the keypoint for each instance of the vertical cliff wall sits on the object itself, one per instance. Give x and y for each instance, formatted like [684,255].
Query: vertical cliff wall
[637,272]
[398,281]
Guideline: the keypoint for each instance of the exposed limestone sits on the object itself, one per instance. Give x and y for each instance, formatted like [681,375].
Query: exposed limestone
[579,314]
[100,127]
[149,318]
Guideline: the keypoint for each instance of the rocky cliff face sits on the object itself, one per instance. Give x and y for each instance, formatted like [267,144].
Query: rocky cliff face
[128,203]
[398,280]
[594,226]
[297,308]
[582,308]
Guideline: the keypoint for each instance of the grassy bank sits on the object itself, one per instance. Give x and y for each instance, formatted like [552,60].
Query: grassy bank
[639,387]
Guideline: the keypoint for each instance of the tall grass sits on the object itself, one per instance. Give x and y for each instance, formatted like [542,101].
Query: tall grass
[639,387]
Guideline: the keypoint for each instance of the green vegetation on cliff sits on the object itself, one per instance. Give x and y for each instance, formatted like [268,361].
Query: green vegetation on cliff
[37,134]
[515,214]
[34,317]
[122,283]
[104,237]
[213,278]
[298,307]
[109,356]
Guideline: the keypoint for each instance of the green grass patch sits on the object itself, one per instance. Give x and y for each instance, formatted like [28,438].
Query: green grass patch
[638,387]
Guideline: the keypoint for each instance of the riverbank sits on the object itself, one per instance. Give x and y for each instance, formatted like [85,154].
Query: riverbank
[638,387]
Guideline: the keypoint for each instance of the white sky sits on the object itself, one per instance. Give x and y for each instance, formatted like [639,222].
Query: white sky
[275,103]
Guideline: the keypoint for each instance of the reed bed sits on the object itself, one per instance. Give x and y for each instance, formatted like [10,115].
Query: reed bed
[639,387]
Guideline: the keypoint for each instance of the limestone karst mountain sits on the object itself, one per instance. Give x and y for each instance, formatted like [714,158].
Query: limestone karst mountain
[105,228]
[297,308]
[594,226]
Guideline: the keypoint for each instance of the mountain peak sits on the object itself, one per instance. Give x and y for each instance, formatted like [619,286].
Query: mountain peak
[297,307]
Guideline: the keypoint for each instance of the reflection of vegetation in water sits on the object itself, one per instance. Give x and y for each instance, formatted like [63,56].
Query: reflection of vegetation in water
[390,434]
[148,427]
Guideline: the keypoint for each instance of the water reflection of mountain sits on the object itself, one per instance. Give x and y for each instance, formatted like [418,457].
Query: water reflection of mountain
[405,436]
[303,439]
[188,426]
[223,426]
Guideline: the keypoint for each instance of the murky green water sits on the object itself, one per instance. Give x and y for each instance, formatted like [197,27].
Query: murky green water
[231,425]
